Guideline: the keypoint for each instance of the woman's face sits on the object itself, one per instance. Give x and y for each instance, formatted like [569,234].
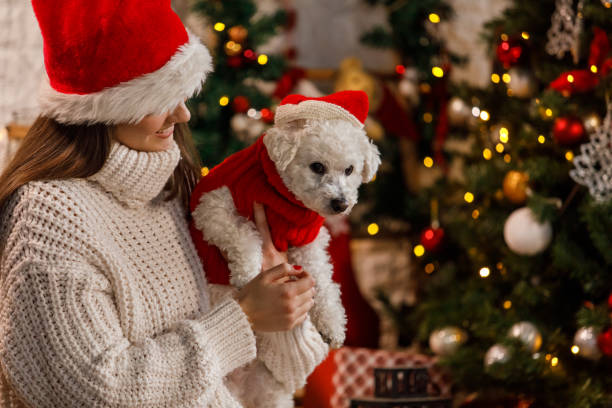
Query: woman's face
[154,133]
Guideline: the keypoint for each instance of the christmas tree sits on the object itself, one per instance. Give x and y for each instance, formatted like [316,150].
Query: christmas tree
[515,259]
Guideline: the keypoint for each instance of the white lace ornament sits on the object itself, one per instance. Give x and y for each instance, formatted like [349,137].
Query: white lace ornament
[564,33]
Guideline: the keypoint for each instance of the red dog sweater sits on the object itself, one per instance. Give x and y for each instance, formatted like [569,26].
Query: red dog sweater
[251,176]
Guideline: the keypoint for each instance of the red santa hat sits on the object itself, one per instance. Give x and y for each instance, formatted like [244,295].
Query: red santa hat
[351,106]
[116,62]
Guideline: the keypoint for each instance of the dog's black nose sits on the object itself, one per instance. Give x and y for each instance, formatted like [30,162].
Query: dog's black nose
[338,205]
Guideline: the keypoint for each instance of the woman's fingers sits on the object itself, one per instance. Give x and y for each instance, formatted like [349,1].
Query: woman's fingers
[262,223]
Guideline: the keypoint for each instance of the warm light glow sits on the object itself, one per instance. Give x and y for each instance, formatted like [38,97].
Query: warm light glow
[569,155]
[484,272]
[427,117]
[475,214]
[548,357]
[607,4]
[434,18]
[425,87]
[400,69]
[507,304]
[476,111]
[419,250]
[503,135]
[224,101]
[570,78]
[575,349]
[373,229]
[428,162]
[506,78]
[205,171]
[262,59]
[469,197]
[487,154]
[525,35]
[507,158]
[484,115]
[495,78]
[504,37]
[219,26]
[554,362]
[499,148]
[429,268]
[251,113]
[594,69]
[541,139]
[233,46]
[437,72]
[549,112]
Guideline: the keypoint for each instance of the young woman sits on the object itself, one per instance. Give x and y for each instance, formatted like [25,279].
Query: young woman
[104,301]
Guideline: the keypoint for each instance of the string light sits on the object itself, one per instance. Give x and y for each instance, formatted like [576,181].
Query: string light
[233,46]
[487,154]
[594,69]
[484,272]
[495,78]
[475,214]
[400,69]
[434,18]
[504,37]
[570,78]
[506,78]
[499,148]
[507,304]
[476,111]
[503,135]
[484,115]
[554,362]
[507,158]
[549,112]
[428,162]
[429,268]
[219,26]
[223,101]
[205,171]
[419,250]
[468,197]
[262,59]
[525,35]
[541,139]
[569,156]
[575,349]
[251,113]
[427,117]
[425,87]
[373,229]
[437,72]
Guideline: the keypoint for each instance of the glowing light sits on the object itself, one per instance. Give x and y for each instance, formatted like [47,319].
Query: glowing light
[428,162]
[548,357]
[569,155]
[487,154]
[541,139]
[434,18]
[499,148]
[507,158]
[400,69]
[373,178]
[373,229]
[475,214]
[429,268]
[205,171]
[495,78]
[251,113]
[594,69]
[570,78]
[476,111]
[607,4]
[233,46]
[484,115]
[507,304]
[468,197]
[549,112]
[503,135]
[219,26]
[419,250]
[554,362]
[525,35]
[575,349]
[506,78]
[504,37]
[427,117]
[484,272]
[223,101]
[425,87]
[262,59]
[437,72]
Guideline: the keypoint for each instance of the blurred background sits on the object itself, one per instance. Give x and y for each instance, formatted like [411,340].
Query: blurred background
[476,270]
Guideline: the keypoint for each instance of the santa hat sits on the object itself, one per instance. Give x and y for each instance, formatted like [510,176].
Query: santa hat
[116,62]
[351,106]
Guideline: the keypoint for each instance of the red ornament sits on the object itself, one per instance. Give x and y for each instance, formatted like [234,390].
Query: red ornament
[249,54]
[431,238]
[604,341]
[509,52]
[240,104]
[568,130]
[234,62]
[610,301]
[267,116]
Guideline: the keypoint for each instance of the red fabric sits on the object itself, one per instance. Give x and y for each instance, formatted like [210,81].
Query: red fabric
[92,45]
[251,176]
[394,118]
[355,102]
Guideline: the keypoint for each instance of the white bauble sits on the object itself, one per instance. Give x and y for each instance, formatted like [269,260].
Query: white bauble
[586,340]
[496,354]
[528,334]
[410,90]
[524,234]
[239,122]
[458,111]
[523,83]
[447,340]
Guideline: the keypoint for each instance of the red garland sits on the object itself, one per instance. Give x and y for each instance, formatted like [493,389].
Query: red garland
[583,80]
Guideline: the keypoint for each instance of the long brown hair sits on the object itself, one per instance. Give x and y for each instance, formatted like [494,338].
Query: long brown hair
[52,151]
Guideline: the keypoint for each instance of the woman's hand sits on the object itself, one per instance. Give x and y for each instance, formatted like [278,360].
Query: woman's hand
[280,297]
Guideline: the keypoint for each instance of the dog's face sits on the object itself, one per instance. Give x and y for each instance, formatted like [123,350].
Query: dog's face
[323,163]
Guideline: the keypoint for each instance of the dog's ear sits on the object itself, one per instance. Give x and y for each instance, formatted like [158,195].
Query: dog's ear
[283,143]
[371,160]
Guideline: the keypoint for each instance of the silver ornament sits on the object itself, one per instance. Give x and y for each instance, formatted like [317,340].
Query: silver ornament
[523,83]
[458,111]
[524,234]
[528,334]
[447,340]
[496,354]
[586,340]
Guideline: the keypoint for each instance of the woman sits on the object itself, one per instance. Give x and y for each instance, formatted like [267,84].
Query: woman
[104,303]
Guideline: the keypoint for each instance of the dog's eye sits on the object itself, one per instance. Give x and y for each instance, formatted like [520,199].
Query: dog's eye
[317,168]
[348,170]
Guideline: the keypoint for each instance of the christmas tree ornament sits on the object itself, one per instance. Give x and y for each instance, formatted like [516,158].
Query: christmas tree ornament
[524,234]
[238,33]
[232,48]
[591,122]
[352,76]
[497,354]
[409,85]
[431,238]
[523,83]
[458,111]
[610,301]
[509,52]
[447,340]
[515,186]
[593,166]
[528,334]
[586,340]
[604,341]
[568,130]
[240,104]
[234,62]
[566,28]
[606,3]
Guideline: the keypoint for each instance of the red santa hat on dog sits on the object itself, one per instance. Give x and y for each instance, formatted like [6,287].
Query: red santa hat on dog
[351,106]
[116,62]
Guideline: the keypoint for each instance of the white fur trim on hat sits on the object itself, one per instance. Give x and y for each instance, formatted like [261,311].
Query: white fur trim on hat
[313,110]
[129,102]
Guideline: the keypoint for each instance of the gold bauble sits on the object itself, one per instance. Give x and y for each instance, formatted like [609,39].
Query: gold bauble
[352,77]
[515,186]
[238,33]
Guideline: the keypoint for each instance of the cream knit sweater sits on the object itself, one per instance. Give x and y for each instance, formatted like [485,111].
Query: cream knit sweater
[104,302]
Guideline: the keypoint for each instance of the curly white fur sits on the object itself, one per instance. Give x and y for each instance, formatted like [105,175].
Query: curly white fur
[129,102]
